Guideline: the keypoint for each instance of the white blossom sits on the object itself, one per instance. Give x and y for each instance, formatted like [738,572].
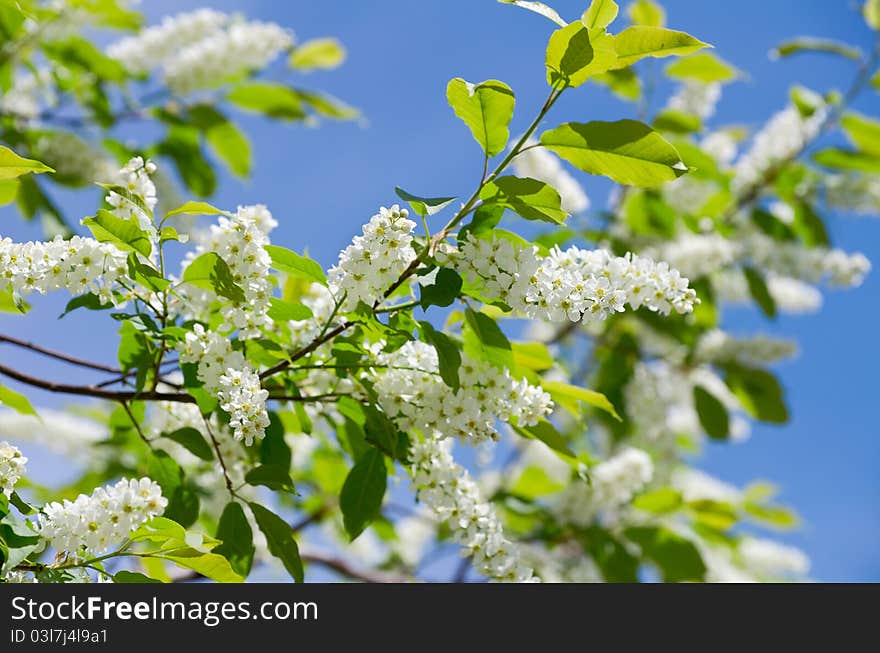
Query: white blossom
[225,372]
[374,261]
[135,178]
[28,94]
[12,467]
[716,345]
[58,431]
[697,255]
[790,295]
[93,524]
[449,491]
[411,391]
[721,146]
[855,193]
[688,195]
[574,284]
[194,50]
[538,163]
[773,560]
[782,138]
[613,485]
[71,156]
[696,485]
[696,98]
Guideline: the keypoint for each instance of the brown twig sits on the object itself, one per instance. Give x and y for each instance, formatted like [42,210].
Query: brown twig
[58,355]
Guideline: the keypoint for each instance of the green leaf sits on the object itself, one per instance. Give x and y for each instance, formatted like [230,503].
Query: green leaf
[547,433]
[704,67]
[290,262]
[210,272]
[89,300]
[195,208]
[871,12]
[209,565]
[575,53]
[627,151]
[282,311]
[124,192]
[811,44]
[363,491]
[759,291]
[863,132]
[486,108]
[718,515]
[8,191]
[274,477]
[16,401]
[183,147]
[646,12]
[624,83]
[600,13]
[533,356]
[444,290]
[809,226]
[125,234]
[759,392]
[538,8]
[424,205]
[484,340]
[279,538]
[568,395]
[637,42]
[237,539]
[661,501]
[323,54]
[126,576]
[268,98]
[231,146]
[712,413]
[449,358]
[163,469]
[527,197]
[670,120]
[192,441]
[841,159]
[327,105]
[678,558]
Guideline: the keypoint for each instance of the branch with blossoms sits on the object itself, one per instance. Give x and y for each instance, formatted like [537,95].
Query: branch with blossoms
[250,376]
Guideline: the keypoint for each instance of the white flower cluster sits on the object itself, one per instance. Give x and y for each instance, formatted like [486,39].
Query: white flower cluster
[12,467]
[321,303]
[225,373]
[73,157]
[812,264]
[697,255]
[29,91]
[721,146]
[716,345]
[688,195]
[70,435]
[783,137]
[771,560]
[790,295]
[93,524]
[79,265]
[411,391]
[540,164]
[855,193]
[613,484]
[196,49]
[240,241]
[696,98]
[375,260]
[574,284]
[660,403]
[135,178]
[448,489]
[696,485]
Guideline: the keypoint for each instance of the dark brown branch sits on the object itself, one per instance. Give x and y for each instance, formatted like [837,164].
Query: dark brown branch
[305,351]
[58,355]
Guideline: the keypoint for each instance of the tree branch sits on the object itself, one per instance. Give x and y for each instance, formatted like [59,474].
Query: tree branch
[58,355]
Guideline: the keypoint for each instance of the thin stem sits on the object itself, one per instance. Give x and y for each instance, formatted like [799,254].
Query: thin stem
[398,307]
[137,426]
[216,444]
[58,355]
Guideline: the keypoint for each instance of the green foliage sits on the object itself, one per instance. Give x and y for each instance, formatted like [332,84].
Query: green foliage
[676,557]
[712,414]
[705,67]
[125,234]
[210,272]
[192,441]
[486,108]
[529,198]
[808,44]
[16,401]
[237,539]
[759,291]
[484,340]
[627,151]
[318,54]
[279,538]
[363,491]
[448,355]
[637,42]
[292,263]
[600,13]
[13,165]
[759,392]
[576,52]
[444,290]
[539,8]
[424,205]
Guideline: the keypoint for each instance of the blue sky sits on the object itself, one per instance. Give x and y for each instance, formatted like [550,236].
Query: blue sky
[322,184]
